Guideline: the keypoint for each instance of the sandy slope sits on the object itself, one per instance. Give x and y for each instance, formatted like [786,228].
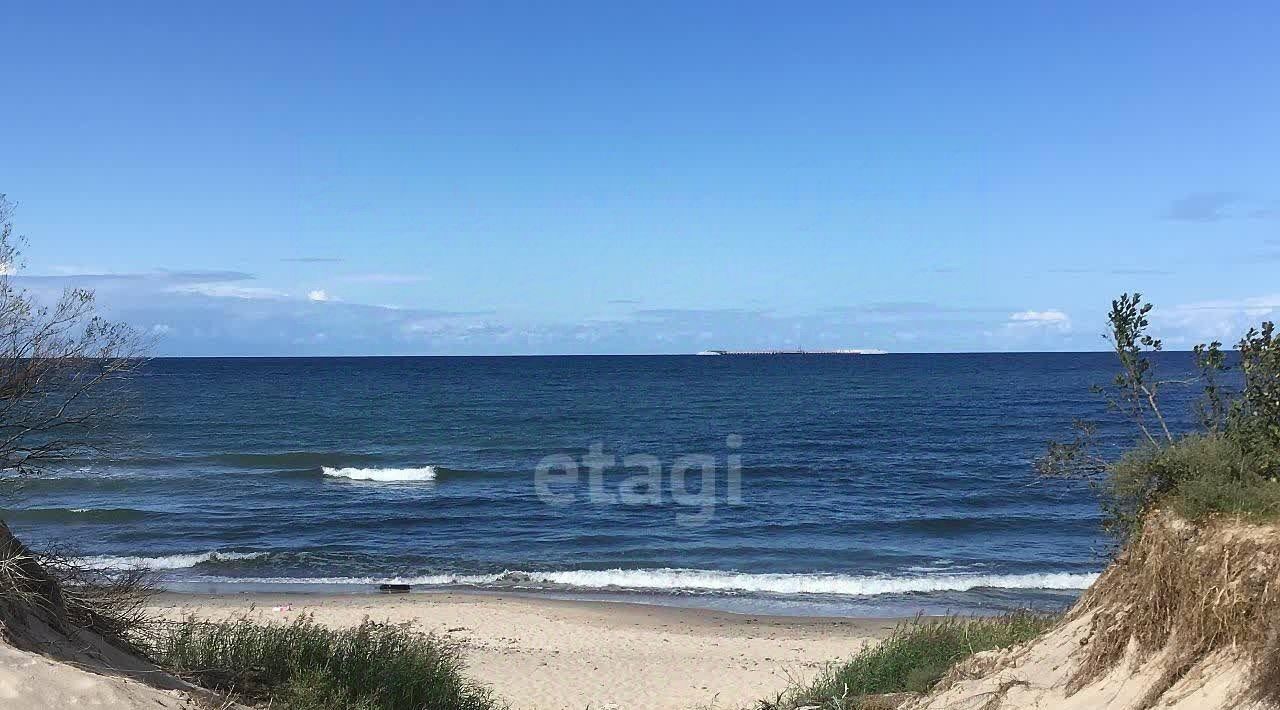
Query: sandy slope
[1036,676]
[34,682]
[543,654]
[43,665]
[1184,618]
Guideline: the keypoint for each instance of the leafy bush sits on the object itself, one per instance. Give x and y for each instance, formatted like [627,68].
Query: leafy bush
[1231,466]
[1197,476]
[912,659]
[305,666]
[1255,416]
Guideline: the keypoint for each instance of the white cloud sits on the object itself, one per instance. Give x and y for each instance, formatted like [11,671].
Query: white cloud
[1024,323]
[223,290]
[214,312]
[1040,318]
[1254,307]
[1224,320]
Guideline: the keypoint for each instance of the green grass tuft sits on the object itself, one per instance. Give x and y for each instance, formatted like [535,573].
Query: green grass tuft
[305,666]
[1197,476]
[911,660]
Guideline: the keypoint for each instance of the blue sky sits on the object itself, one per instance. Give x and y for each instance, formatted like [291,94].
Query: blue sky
[493,178]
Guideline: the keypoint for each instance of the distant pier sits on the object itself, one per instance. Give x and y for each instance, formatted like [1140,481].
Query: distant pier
[850,351]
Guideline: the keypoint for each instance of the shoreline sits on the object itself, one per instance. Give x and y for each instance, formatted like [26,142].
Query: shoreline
[558,654]
[622,606]
[831,607]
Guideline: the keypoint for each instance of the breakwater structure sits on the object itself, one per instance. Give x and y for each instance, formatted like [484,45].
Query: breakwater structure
[848,351]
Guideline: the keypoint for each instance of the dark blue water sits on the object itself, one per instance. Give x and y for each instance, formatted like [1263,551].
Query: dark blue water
[832,484]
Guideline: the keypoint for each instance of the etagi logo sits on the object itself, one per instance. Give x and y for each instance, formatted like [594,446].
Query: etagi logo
[692,481]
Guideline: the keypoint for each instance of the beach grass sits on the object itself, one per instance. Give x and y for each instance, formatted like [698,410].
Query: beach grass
[305,666]
[912,659]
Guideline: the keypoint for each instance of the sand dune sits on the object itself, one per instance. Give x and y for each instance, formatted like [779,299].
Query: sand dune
[34,682]
[543,654]
[1179,620]
[1037,676]
[1183,618]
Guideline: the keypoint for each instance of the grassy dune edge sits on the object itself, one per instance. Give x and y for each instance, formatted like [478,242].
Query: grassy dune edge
[305,666]
[911,660]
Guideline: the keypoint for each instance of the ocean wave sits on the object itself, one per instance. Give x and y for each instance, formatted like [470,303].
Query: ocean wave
[233,459]
[383,475]
[184,561]
[77,515]
[97,483]
[294,459]
[710,581]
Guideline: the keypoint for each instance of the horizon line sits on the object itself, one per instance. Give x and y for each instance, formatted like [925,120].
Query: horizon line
[651,354]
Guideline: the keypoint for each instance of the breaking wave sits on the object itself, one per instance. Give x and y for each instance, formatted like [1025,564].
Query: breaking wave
[167,561]
[709,581]
[384,475]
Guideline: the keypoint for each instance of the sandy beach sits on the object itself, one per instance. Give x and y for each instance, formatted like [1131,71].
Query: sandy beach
[547,654]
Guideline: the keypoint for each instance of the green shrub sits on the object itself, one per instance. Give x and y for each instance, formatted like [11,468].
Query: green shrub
[305,666]
[1230,467]
[1254,419]
[317,689]
[912,659]
[1197,476]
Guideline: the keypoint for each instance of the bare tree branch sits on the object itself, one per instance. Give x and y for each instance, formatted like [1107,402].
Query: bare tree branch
[63,370]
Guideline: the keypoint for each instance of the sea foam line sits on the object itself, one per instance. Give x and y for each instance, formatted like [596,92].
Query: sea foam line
[383,475]
[183,561]
[691,580]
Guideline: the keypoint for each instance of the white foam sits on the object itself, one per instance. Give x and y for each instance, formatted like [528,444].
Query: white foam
[691,580]
[165,562]
[853,585]
[384,475]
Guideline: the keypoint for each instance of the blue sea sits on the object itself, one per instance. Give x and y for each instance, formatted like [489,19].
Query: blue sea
[791,484]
